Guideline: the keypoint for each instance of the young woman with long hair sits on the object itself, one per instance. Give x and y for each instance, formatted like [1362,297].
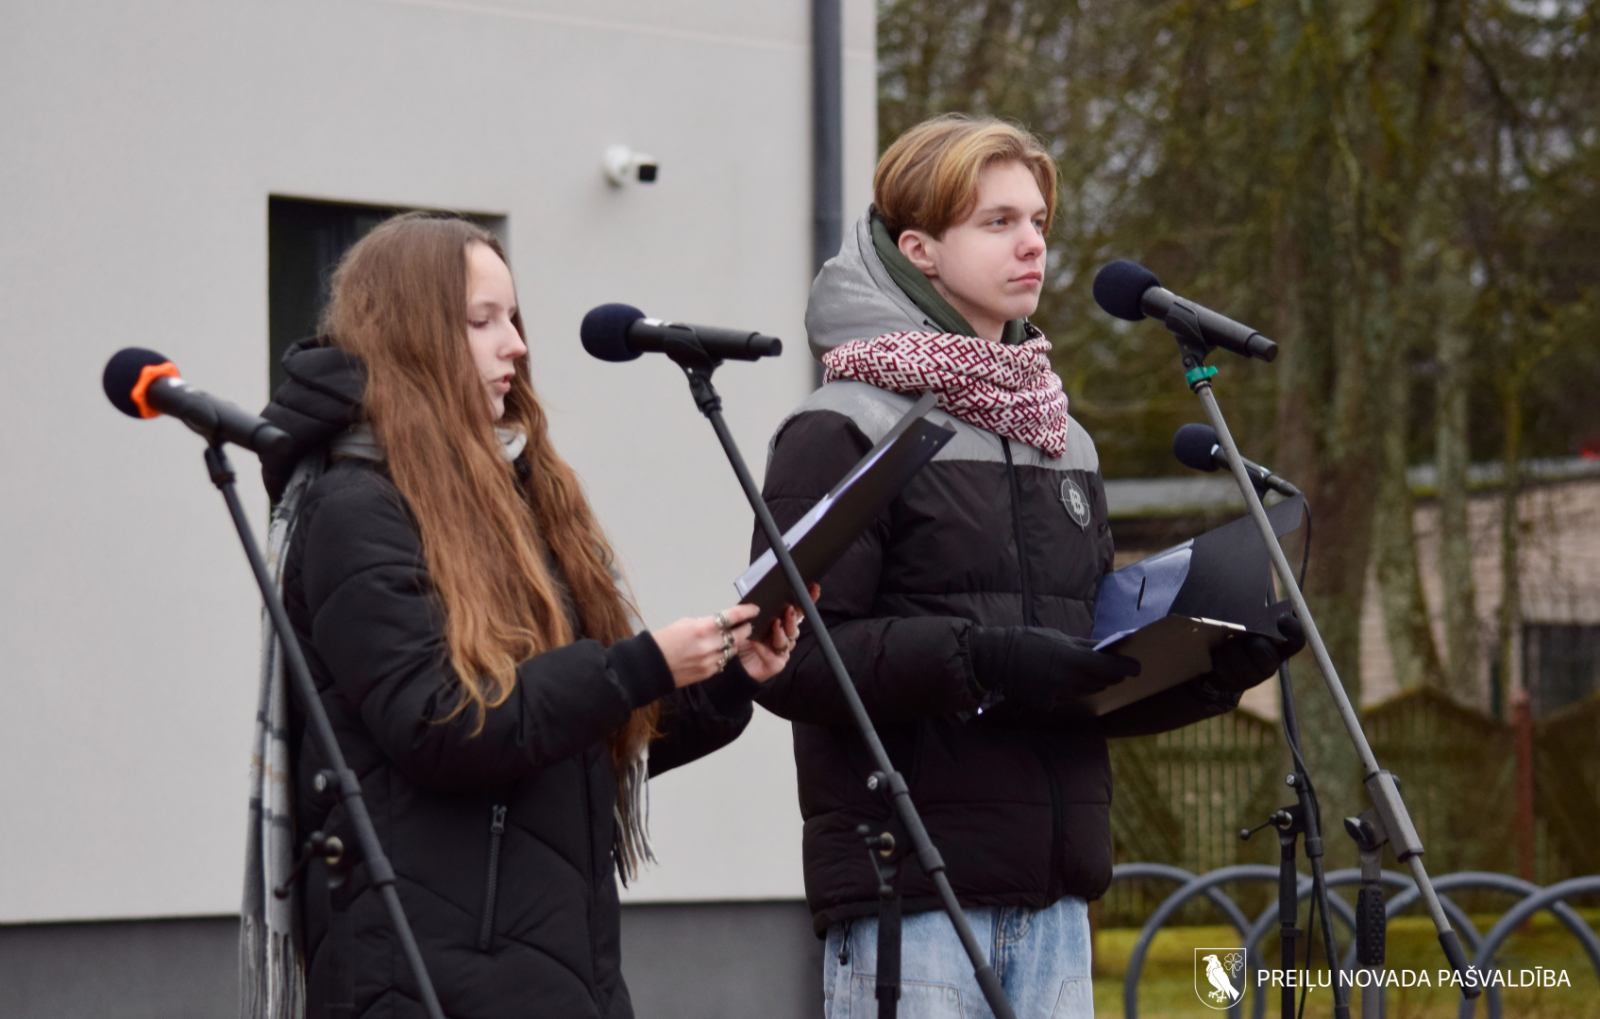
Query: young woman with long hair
[462,616]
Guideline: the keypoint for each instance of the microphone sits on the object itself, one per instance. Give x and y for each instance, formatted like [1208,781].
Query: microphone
[143,384]
[1129,291]
[1196,446]
[619,332]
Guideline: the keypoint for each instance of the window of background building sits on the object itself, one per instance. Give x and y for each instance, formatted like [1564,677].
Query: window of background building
[1560,664]
[305,240]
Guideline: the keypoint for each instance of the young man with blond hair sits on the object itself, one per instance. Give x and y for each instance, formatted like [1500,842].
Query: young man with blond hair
[963,611]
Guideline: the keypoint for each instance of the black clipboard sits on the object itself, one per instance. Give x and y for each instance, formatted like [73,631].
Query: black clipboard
[818,539]
[1170,609]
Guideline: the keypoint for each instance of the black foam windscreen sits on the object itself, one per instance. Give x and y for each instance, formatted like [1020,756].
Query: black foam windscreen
[122,374]
[605,331]
[1193,445]
[1119,285]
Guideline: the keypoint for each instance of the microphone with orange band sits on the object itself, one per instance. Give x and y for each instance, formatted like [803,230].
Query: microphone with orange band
[143,384]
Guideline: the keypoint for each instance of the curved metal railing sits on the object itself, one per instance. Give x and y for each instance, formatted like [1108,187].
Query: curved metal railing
[1482,947]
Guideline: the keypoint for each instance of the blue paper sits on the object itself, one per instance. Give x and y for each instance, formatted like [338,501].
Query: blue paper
[1139,594]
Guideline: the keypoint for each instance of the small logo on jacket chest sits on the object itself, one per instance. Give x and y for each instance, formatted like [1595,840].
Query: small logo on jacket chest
[1076,503]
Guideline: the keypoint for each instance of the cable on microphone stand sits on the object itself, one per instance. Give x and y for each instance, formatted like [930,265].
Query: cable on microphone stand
[685,349]
[1388,822]
[1305,817]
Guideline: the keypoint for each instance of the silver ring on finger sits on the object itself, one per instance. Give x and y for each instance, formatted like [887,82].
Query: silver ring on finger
[722,622]
[727,656]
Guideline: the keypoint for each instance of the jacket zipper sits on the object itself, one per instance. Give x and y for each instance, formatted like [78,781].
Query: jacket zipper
[593,865]
[497,828]
[1016,526]
[1057,849]
[918,737]
[590,863]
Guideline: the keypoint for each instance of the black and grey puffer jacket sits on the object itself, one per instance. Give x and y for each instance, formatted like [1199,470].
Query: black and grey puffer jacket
[993,533]
[502,840]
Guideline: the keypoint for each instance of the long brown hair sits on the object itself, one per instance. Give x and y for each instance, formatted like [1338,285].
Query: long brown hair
[399,302]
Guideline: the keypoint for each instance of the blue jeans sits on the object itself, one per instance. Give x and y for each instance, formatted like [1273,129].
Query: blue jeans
[1040,956]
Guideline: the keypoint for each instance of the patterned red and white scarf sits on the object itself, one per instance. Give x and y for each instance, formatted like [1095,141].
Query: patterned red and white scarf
[1009,390]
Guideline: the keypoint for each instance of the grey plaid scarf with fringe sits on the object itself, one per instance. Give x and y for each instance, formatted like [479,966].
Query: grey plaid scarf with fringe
[271,958]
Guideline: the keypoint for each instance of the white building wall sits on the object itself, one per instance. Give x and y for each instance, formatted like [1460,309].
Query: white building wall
[1559,578]
[140,145]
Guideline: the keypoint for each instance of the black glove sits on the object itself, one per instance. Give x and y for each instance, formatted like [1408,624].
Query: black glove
[1036,667]
[1237,665]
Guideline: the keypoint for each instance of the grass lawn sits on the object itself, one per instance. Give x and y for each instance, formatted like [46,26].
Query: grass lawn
[1166,989]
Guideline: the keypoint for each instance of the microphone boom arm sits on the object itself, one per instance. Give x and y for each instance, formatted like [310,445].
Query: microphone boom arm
[1380,784]
[698,365]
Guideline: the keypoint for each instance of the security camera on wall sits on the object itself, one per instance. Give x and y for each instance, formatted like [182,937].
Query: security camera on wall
[624,166]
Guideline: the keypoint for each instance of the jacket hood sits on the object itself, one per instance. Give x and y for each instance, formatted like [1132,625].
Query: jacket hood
[869,288]
[321,399]
[854,297]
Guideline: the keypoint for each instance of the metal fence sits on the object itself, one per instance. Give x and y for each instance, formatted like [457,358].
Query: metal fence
[1482,947]
[1181,797]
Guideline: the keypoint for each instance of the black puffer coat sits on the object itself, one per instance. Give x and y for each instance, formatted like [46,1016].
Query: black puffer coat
[502,841]
[993,533]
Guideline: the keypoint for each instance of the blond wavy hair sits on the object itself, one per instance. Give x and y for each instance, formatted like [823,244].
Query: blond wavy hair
[928,179]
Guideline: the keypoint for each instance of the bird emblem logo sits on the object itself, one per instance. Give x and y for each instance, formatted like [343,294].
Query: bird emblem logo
[1219,977]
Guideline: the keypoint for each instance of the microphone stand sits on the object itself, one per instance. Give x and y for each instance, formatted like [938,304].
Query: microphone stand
[1393,822]
[1303,818]
[342,782]
[684,347]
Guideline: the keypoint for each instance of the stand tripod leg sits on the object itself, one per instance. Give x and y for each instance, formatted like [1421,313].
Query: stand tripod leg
[1288,913]
[886,865]
[342,974]
[888,990]
[1319,891]
[1304,818]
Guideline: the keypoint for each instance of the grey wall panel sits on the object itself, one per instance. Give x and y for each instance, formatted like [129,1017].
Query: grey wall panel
[145,969]
[142,143]
[722,960]
[682,961]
